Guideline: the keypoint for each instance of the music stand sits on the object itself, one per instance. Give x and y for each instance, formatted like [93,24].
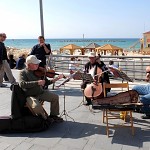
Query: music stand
[85,77]
[120,74]
[64,112]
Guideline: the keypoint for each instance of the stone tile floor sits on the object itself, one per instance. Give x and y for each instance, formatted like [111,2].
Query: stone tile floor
[86,133]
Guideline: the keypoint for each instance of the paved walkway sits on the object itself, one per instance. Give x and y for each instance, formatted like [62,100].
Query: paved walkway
[86,133]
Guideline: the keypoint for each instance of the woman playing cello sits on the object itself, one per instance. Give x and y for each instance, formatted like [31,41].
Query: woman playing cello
[95,65]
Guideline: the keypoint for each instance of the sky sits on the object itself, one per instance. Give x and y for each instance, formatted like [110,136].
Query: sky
[20,19]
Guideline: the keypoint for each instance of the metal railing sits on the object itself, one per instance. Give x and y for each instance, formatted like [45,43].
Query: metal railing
[133,66]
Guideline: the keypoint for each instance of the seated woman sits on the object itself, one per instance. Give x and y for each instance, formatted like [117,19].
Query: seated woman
[144,92]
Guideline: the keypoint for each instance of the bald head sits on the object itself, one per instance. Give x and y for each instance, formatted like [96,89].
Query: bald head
[148,69]
[148,73]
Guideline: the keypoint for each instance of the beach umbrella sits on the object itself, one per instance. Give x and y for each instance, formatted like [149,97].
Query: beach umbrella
[71,48]
[109,48]
[91,46]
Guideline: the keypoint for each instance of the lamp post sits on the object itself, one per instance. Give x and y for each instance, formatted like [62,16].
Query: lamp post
[41,17]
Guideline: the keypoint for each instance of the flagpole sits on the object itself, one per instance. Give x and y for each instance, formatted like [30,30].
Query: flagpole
[41,17]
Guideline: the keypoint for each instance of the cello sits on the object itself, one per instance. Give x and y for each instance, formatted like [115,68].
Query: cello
[95,88]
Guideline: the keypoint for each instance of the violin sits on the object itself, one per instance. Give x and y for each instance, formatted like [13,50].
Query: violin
[41,72]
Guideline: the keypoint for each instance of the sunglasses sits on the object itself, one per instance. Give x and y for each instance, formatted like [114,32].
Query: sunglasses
[4,37]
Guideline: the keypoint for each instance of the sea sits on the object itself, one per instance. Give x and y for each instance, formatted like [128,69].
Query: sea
[56,44]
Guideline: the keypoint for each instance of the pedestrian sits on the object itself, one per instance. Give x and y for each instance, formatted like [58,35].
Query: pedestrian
[4,65]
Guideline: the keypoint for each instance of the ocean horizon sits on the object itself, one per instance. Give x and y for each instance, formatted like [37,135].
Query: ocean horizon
[56,44]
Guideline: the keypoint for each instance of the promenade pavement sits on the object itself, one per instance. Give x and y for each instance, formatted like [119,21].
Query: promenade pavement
[85,132]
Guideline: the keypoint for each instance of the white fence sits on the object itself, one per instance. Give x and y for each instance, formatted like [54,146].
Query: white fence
[133,66]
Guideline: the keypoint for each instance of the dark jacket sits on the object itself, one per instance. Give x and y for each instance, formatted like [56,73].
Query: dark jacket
[3,52]
[18,100]
[20,64]
[40,53]
[29,83]
[102,66]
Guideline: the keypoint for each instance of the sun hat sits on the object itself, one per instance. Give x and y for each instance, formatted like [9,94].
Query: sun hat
[32,60]
[91,54]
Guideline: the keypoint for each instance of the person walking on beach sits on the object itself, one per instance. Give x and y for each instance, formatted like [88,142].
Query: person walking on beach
[41,50]
[33,87]
[4,66]
[144,92]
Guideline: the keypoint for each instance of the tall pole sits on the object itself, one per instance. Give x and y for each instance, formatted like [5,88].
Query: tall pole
[41,17]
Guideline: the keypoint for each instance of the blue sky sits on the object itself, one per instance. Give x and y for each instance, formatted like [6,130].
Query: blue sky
[73,18]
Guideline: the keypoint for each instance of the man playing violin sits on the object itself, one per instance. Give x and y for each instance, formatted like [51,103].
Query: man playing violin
[94,62]
[41,50]
[33,87]
[144,92]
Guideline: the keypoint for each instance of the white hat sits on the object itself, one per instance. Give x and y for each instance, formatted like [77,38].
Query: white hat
[91,54]
[32,60]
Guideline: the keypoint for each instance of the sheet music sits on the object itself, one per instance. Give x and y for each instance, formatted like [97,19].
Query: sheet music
[120,74]
[86,77]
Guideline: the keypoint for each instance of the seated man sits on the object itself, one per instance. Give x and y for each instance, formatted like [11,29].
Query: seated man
[144,92]
[33,87]
[92,67]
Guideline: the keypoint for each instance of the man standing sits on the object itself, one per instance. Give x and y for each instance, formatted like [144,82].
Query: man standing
[4,66]
[41,50]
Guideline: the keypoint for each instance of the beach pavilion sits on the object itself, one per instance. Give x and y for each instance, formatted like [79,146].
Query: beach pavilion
[91,47]
[72,48]
[108,48]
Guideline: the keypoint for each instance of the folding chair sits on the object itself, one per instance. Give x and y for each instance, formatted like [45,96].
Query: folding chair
[111,113]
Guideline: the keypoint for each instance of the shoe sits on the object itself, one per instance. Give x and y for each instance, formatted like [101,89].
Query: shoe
[56,118]
[87,103]
[3,85]
[145,117]
[50,120]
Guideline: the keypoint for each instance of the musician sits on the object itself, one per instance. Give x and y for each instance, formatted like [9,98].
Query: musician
[33,87]
[144,92]
[94,62]
[41,50]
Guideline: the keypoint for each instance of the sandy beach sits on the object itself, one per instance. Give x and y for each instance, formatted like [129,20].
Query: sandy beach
[18,52]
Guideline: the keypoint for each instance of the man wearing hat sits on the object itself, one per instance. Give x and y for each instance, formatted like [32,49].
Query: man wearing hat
[94,62]
[33,87]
